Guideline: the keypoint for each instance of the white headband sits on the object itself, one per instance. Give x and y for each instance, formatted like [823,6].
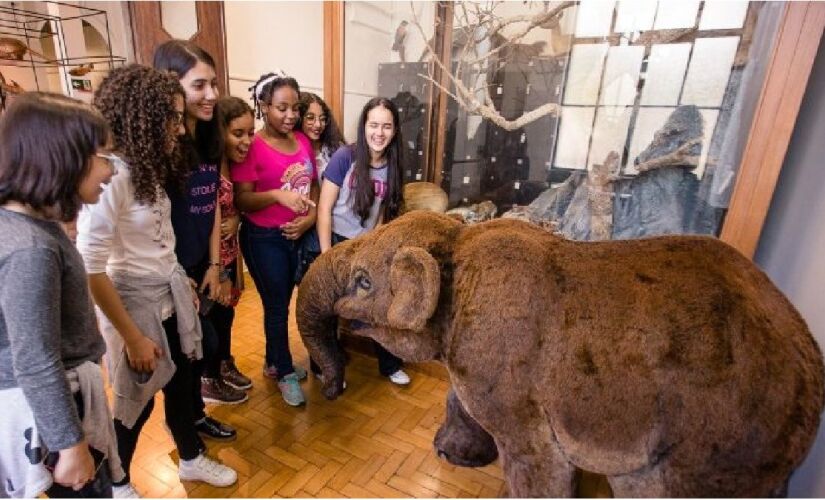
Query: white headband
[260,85]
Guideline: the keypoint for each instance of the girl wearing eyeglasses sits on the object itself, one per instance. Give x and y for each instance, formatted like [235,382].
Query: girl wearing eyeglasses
[53,158]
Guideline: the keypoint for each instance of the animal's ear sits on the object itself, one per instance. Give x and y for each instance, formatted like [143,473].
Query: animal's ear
[415,282]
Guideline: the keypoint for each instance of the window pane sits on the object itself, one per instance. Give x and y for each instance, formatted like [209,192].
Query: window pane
[538,108]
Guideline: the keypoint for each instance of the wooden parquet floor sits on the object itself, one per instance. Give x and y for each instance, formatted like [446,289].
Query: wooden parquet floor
[374,441]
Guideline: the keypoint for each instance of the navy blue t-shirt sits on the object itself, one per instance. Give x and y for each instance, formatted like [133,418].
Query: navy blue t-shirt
[193,215]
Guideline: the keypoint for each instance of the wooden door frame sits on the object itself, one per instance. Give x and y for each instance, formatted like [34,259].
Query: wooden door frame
[786,78]
[785,82]
[207,24]
[333,20]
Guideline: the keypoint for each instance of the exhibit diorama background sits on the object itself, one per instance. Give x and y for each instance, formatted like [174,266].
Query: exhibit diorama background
[290,36]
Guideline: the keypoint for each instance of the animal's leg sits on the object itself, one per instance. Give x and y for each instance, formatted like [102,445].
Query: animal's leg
[461,440]
[534,466]
[642,484]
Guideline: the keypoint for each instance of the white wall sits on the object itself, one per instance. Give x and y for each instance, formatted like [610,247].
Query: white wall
[262,36]
[369,31]
[792,247]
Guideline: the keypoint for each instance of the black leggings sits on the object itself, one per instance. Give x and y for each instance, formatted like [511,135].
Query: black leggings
[177,407]
[222,318]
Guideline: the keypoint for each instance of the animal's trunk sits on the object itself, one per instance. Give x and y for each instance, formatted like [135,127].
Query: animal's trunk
[317,323]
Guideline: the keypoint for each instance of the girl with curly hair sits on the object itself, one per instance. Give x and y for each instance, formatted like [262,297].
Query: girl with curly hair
[274,186]
[53,157]
[149,318]
[196,216]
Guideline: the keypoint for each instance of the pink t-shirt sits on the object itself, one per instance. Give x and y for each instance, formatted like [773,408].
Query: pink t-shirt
[270,169]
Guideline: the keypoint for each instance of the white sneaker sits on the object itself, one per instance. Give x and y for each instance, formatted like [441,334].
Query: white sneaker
[400,378]
[125,491]
[203,468]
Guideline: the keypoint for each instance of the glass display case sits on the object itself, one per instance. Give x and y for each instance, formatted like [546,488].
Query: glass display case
[598,119]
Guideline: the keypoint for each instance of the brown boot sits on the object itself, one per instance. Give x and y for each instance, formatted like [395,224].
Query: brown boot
[232,376]
[217,391]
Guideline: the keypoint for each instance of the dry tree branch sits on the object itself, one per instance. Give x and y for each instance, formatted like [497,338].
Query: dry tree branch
[532,23]
[467,98]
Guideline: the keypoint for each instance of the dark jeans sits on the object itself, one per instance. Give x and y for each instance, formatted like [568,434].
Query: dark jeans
[271,259]
[388,363]
[100,486]
[178,406]
[222,318]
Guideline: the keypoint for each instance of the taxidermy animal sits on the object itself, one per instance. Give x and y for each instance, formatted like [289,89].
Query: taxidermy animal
[671,365]
[14,49]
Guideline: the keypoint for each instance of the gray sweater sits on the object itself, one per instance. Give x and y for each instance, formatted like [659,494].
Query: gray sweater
[47,324]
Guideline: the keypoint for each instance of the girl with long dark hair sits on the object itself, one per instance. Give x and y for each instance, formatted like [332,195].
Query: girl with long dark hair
[362,188]
[196,216]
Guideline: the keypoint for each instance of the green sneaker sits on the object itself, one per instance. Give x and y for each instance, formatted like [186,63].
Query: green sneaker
[291,390]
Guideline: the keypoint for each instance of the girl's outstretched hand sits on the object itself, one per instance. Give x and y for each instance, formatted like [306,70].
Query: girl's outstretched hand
[296,202]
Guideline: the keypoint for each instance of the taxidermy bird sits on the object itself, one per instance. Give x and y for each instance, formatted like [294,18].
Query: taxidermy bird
[398,42]
[14,49]
[81,70]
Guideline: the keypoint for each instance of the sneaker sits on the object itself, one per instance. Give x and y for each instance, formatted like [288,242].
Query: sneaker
[272,372]
[210,428]
[291,390]
[320,378]
[203,468]
[400,378]
[216,391]
[125,491]
[232,376]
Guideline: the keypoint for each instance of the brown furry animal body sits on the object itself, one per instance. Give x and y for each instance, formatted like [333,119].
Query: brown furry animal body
[671,365]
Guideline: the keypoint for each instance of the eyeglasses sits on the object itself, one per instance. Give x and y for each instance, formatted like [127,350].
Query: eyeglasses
[178,116]
[322,119]
[111,158]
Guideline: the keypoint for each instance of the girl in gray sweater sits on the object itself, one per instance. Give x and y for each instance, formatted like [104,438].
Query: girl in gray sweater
[53,157]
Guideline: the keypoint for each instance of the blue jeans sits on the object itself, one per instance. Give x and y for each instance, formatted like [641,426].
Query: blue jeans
[272,259]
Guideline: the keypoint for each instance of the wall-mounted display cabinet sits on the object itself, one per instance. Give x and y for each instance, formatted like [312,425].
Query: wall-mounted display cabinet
[603,119]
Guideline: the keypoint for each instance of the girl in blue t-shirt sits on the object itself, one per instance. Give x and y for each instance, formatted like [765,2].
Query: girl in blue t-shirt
[362,188]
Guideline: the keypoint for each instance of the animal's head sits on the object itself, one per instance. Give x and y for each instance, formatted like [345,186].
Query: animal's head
[389,282]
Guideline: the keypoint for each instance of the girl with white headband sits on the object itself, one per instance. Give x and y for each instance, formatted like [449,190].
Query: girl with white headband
[275,188]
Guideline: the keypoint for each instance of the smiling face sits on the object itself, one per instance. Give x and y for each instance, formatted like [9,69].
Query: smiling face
[315,122]
[379,130]
[99,172]
[201,86]
[239,134]
[281,113]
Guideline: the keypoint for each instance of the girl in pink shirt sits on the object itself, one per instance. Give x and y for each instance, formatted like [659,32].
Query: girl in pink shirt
[275,187]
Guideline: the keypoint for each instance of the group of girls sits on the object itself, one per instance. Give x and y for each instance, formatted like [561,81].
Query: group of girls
[299,172]
[163,169]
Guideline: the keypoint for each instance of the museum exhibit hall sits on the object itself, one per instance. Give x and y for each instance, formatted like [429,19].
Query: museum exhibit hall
[412,249]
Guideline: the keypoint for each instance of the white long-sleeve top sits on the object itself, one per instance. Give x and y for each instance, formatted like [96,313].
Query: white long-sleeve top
[118,234]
